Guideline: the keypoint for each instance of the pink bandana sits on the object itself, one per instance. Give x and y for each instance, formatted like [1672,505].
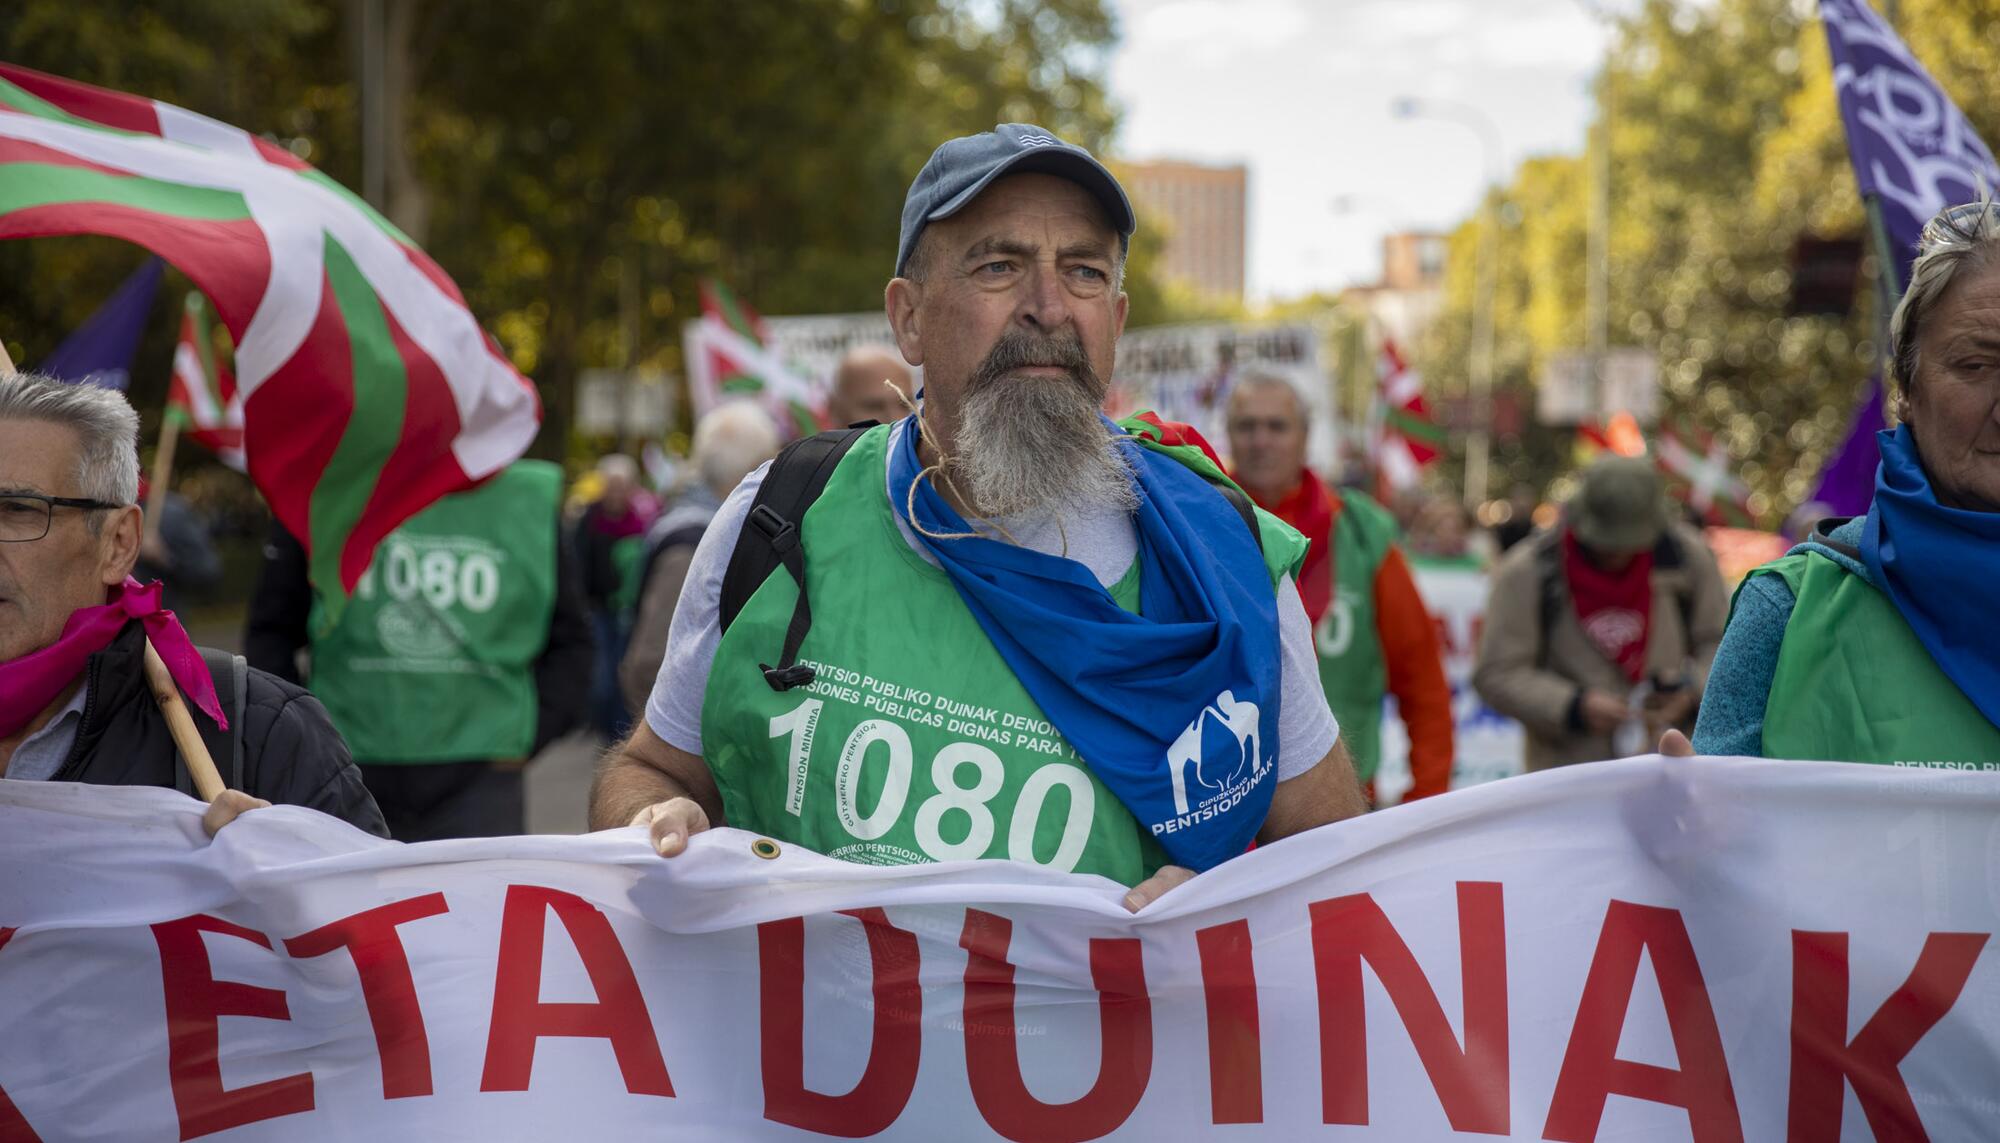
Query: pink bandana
[30,683]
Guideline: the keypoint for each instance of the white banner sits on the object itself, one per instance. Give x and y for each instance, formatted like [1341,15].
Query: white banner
[797,362]
[1487,745]
[1185,373]
[1639,950]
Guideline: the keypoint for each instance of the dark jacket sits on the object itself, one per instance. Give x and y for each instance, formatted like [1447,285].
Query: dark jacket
[282,603]
[292,755]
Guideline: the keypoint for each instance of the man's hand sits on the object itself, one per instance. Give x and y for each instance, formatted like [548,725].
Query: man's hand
[645,782]
[1674,744]
[1153,888]
[669,824]
[1602,713]
[227,807]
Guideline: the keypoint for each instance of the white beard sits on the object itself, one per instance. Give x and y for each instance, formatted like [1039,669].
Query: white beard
[1035,445]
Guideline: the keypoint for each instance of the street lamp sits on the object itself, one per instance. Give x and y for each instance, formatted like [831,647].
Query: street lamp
[1479,446]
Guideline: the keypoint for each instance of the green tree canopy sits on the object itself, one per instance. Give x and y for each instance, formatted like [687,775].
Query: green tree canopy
[1726,147]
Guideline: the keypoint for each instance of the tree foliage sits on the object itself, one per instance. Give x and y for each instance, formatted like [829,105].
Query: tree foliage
[586,163]
[1726,147]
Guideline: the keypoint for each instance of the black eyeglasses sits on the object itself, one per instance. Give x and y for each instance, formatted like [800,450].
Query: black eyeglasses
[25,516]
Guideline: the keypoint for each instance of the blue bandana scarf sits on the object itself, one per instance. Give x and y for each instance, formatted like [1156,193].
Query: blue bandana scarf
[1175,709]
[1938,565]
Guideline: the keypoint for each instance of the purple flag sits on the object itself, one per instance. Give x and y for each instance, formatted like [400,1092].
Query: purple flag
[1912,148]
[100,350]
[1847,483]
[1914,153]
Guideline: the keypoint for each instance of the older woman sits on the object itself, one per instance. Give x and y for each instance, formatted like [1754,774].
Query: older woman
[1876,640]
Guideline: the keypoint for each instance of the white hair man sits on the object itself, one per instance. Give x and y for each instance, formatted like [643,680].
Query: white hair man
[872,383]
[1031,635]
[74,703]
[730,443]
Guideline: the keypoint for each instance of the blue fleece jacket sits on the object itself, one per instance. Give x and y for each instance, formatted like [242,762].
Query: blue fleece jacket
[1731,721]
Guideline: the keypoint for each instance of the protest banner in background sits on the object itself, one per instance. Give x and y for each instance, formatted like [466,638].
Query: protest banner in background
[1486,744]
[1650,949]
[1185,373]
[795,357]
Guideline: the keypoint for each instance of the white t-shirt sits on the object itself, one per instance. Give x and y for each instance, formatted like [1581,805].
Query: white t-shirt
[1106,544]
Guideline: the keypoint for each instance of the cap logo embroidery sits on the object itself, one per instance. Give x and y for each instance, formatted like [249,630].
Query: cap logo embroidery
[1039,141]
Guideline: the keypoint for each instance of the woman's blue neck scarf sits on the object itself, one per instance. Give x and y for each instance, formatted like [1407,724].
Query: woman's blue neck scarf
[1174,709]
[1939,566]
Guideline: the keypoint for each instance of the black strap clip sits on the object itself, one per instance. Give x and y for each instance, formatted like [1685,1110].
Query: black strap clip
[785,678]
[778,531]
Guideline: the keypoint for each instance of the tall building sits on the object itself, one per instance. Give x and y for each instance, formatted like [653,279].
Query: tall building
[1411,290]
[1204,210]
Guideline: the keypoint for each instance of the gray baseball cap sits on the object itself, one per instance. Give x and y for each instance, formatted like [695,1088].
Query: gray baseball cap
[962,167]
[1621,506]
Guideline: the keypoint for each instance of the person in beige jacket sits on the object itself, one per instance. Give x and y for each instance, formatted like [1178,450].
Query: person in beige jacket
[1599,632]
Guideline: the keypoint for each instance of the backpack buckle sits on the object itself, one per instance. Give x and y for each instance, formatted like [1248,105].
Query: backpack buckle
[777,530]
[785,678]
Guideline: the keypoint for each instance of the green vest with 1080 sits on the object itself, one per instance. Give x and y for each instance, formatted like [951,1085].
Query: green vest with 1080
[1854,684]
[433,658]
[1351,668]
[915,742]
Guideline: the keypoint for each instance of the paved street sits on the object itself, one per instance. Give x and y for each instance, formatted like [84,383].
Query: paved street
[559,785]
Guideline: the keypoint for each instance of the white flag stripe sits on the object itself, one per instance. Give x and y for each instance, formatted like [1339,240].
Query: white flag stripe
[201,399]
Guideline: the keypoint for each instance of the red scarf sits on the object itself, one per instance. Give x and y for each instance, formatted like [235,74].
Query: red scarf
[1311,509]
[1615,608]
[30,683]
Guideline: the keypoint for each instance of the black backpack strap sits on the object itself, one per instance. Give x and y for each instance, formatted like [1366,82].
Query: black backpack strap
[239,679]
[230,673]
[1822,534]
[770,537]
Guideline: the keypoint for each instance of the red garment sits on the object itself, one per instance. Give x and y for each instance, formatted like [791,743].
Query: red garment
[1311,509]
[1615,608]
[30,683]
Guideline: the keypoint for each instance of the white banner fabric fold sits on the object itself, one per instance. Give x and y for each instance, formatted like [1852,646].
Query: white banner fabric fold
[1650,949]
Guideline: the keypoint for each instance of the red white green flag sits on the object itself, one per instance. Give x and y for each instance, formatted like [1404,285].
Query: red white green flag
[368,389]
[1407,439]
[202,393]
[729,355]
[1701,474]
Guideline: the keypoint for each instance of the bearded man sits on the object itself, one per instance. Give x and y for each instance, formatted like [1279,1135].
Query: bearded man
[1033,634]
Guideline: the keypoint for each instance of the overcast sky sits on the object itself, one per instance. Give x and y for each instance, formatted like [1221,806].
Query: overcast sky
[1300,91]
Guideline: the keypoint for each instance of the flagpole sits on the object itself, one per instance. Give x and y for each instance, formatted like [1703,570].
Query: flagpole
[163,471]
[180,724]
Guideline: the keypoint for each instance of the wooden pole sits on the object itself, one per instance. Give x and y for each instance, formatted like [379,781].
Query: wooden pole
[207,780]
[180,724]
[163,473]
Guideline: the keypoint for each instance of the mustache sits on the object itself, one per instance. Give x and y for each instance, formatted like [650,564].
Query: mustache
[1019,349]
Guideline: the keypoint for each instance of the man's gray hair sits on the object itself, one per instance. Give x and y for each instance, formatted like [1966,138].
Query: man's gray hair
[106,428]
[1256,379]
[1961,239]
[730,442]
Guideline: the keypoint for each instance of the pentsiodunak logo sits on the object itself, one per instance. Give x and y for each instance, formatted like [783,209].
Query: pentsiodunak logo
[1184,758]
[1039,141]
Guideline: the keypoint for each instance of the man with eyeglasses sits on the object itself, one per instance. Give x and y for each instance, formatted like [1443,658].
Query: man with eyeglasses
[74,704]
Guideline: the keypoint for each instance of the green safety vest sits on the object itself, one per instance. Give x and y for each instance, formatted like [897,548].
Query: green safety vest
[433,658]
[915,742]
[1351,668]
[1854,684]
